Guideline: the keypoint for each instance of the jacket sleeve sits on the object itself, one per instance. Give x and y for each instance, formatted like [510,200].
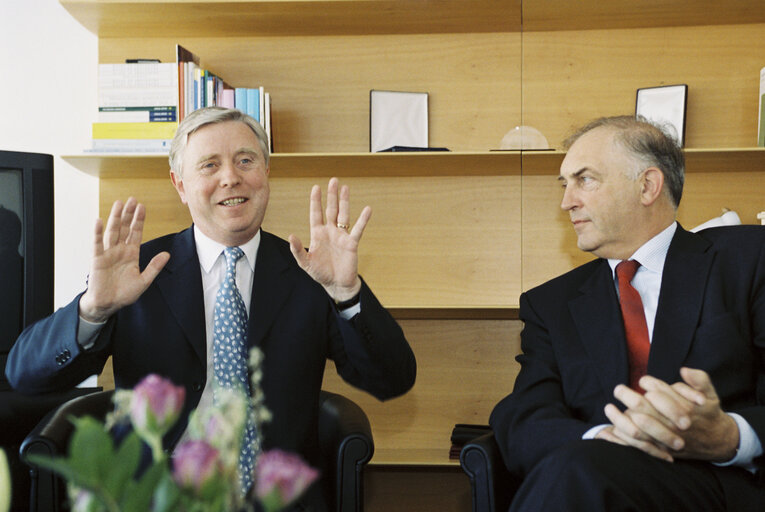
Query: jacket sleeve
[373,353]
[535,418]
[46,357]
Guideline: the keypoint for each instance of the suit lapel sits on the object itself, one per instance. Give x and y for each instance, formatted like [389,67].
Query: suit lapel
[684,279]
[180,284]
[272,285]
[598,322]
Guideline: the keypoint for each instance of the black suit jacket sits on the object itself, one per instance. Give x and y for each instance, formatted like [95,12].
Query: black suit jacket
[292,320]
[711,315]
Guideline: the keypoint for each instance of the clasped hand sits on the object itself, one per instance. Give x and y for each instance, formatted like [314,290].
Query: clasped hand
[681,420]
[332,257]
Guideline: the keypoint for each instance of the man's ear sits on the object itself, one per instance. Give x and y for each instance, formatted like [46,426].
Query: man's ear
[178,184]
[651,185]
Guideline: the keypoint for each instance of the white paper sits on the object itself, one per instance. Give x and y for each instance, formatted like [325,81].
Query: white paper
[397,119]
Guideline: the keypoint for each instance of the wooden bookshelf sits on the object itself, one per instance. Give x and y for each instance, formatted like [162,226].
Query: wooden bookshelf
[455,237]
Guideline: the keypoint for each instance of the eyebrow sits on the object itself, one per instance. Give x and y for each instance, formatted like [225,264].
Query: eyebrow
[211,156]
[576,174]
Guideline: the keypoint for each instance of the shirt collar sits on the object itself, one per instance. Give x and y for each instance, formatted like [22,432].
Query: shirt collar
[208,250]
[653,253]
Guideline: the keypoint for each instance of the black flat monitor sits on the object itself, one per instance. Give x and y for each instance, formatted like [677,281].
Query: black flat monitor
[26,245]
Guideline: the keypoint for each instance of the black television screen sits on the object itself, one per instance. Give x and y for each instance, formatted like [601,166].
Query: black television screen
[26,245]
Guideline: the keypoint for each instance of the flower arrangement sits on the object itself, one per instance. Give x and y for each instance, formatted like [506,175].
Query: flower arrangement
[201,476]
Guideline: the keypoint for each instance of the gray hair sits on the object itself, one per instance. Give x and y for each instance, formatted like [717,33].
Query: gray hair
[211,115]
[649,143]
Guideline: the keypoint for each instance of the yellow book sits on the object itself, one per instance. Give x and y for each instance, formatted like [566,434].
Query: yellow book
[134,130]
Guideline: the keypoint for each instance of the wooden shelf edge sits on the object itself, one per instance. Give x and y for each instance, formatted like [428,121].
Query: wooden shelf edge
[307,165]
[243,18]
[441,163]
[392,457]
[461,313]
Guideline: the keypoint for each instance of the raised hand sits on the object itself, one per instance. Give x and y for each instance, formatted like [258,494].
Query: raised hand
[682,420]
[115,279]
[332,258]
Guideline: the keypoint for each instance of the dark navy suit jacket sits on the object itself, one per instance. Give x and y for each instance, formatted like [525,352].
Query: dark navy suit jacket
[292,320]
[711,315]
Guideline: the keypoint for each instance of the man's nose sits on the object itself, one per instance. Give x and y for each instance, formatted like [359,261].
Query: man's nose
[229,175]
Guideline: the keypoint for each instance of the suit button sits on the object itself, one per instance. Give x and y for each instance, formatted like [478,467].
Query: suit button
[197,386]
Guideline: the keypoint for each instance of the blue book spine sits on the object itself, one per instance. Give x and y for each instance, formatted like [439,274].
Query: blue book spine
[240,99]
[253,103]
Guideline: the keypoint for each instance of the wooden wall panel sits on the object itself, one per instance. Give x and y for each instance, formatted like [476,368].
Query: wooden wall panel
[410,489]
[464,368]
[320,85]
[432,242]
[549,241]
[571,77]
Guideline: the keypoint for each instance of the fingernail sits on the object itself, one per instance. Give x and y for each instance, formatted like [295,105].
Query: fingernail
[677,444]
[684,423]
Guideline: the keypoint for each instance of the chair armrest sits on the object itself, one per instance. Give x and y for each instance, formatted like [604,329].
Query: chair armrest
[492,485]
[52,433]
[345,437]
[51,438]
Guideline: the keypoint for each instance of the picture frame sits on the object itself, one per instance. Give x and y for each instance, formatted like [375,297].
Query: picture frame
[666,106]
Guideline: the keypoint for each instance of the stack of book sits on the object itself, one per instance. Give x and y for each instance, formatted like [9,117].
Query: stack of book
[141,103]
[137,107]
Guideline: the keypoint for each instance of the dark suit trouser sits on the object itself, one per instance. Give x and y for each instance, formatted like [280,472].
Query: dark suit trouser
[594,475]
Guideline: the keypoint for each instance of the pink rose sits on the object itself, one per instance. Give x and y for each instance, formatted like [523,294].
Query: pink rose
[281,478]
[155,405]
[195,464]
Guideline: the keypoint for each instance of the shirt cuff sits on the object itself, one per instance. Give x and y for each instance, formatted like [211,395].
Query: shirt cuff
[87,333]
[749,445]
[590,434]
[350,312]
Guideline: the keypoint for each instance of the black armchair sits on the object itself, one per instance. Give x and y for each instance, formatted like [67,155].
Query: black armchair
[19,413]
[345,437]
[492,485]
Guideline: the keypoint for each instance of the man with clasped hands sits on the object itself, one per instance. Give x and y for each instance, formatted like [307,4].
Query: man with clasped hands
[689,435]
[151,306]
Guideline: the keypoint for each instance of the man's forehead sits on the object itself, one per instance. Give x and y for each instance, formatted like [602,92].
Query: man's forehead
[588,152]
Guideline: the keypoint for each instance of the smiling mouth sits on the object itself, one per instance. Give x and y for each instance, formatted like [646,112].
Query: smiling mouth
[233,201]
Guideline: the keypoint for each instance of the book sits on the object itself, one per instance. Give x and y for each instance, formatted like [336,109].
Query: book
[137,85]
[130,146]
[761,118]
[253,104]
[185,62]
[137,114]
[134,130]
[267,126]
[240,99]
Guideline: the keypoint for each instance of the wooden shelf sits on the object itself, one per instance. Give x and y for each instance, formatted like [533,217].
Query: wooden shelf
[305,165]
[499,163]
[413,457]
[554,15]
[231,18]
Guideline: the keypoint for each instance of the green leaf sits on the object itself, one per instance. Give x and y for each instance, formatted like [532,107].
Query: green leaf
[167,495]
[118,474]
[91,450]
[62,467]
[139,499]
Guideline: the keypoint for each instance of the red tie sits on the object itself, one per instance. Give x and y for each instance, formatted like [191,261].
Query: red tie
[635,327]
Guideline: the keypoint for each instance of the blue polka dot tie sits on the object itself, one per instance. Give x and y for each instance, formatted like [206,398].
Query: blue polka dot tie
[230,355]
